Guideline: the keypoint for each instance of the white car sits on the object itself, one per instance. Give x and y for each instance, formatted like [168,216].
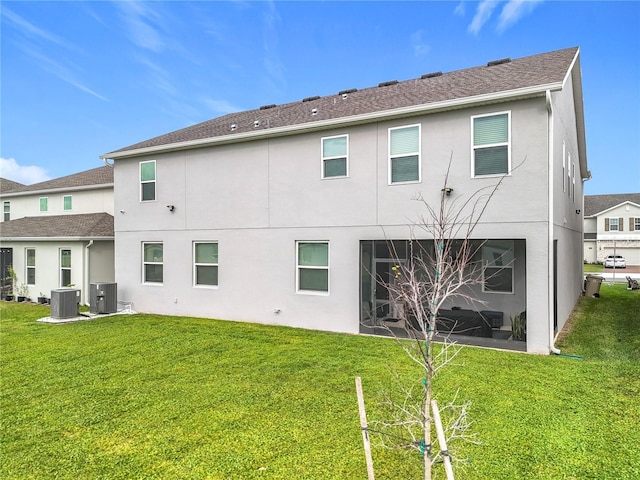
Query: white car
[615,261]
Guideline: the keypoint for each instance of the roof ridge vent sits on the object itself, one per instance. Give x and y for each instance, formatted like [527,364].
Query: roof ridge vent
[387,84]
[346,92]
[266,107]
[431,75]
[500,61]
[310,99]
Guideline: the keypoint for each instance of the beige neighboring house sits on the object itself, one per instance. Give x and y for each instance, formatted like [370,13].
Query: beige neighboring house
[612,226]
[59,232]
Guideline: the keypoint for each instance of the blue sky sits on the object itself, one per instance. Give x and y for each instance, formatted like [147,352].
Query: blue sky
[80,79]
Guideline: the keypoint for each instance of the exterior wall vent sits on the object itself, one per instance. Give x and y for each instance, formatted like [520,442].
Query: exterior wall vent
[267,107]
[310,99]
[387,84]
[234,126]
[493,63]
[314,111]
[431,75]
[256,123]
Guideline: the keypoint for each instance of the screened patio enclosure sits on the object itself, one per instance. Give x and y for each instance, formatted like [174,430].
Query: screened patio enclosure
[492,311]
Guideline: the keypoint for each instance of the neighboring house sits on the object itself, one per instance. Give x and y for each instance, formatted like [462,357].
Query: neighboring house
[281,215]
[59,232]
[612,226]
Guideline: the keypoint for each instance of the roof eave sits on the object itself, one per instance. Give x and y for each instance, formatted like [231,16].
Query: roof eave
[55,239]
[79,188]
[413,110]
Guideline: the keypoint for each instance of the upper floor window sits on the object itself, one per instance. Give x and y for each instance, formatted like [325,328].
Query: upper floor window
[491,144]
[31,265]
[634,224]
[335,157]
[6,208]
[312,267]
[148,181]
[152,262]
[404,154]
[497,259]
[205,263]
[44,204]
[65,267]
[67,202]
[612,224]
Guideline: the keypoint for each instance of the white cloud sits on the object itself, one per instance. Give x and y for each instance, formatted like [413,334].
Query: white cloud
[25,174]
[420,46]
[138,19]
[513,11]
[220,106]
[483,14]
[460,9]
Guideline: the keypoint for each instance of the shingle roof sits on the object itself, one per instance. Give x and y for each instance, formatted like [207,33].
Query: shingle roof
[8,186]
[95,176]
[594,204]
[87,225]
[523,73]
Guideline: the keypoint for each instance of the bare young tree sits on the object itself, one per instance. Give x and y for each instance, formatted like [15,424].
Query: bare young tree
[435,273]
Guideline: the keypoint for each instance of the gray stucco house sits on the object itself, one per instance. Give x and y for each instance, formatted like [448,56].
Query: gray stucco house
[612,226]
[279,215]
[59,232]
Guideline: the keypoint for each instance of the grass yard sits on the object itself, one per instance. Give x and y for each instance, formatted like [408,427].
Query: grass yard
[146,396]
[593,268]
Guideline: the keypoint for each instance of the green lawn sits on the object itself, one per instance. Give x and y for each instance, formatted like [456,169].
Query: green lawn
[593,268]
[145,396]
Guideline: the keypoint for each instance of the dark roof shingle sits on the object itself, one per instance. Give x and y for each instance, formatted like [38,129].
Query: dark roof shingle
[594,204]
[95,176]
[86,225]
[9,186]
[533,71]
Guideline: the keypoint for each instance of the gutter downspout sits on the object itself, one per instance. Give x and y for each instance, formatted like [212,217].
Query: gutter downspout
[550,259]
[86,271]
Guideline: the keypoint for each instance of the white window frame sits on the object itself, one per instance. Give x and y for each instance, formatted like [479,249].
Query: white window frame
[6,210]
[407,154]
[488,264]
[154,181]
[28,267]
[491,145]
[63,268]
[46,204]
[313,267]
[569,174]
[334,157]
[636,224]
[145,263]
[204,264]
[617,222]
[64,198]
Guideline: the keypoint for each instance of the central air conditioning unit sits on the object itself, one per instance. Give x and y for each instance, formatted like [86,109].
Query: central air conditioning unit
[103,297]
[65,302]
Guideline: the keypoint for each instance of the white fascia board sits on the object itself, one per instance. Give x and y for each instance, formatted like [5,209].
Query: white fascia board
[80,188]
[628,202]
[54,239]
[413,110]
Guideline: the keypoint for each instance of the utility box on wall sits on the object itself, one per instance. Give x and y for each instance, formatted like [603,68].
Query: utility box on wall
[103,297]
[65,302]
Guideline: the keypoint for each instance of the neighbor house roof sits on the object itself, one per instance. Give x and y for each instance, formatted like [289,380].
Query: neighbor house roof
[87,179]
[596,204]
[7,186]
[502,79]
[82,226]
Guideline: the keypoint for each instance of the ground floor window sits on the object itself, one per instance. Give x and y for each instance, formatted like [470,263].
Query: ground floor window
[205,263]
[31,266]
[65,267]
[152,262]
[312,266]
